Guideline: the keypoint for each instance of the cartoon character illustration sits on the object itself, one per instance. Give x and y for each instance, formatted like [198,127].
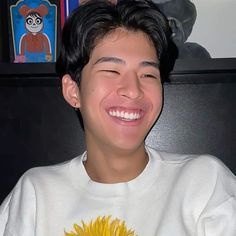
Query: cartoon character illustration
[34,46]
[102,226]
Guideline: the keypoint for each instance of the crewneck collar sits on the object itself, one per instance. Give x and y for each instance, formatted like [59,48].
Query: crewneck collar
[137,185]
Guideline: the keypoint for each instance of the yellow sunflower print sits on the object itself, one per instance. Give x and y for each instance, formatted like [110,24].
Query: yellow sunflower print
[102,226]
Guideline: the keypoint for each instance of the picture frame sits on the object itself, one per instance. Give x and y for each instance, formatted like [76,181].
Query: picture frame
[66,7]
[33,28]
[3,35]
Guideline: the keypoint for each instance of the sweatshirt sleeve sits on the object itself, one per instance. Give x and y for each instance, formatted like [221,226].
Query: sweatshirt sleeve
[219,215]
[17,212]
[219,221]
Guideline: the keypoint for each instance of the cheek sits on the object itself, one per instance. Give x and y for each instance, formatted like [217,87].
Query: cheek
[40,26]
[93,94]
[156,97]
[27,27]
[155,93]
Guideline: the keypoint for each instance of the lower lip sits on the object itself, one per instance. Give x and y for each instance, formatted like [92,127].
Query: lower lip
[127,123]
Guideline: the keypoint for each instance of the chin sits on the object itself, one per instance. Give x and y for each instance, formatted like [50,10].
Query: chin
[128,146]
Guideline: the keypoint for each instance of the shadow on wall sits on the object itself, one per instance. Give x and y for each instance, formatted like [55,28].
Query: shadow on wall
[182,15]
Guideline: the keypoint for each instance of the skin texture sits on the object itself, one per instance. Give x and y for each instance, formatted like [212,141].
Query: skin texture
[121,76]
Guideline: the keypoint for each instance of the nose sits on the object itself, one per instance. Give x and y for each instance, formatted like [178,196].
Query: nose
[130,86]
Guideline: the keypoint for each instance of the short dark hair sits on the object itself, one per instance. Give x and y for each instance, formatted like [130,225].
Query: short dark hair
[34,14]
[96,18]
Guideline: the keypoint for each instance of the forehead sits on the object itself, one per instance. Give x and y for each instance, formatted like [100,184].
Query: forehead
[126,43]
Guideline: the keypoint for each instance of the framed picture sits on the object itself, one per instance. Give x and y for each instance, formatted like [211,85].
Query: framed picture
[204,34]
[62,13]
[33,26]
[1,35]
[67,6]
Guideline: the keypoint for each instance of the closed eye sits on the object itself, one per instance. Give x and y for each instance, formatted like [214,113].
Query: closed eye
[149,76]
[111,71]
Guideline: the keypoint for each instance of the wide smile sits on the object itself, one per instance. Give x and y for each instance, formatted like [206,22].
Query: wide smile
[125,114]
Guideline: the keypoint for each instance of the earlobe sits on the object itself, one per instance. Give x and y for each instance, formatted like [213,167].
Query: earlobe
[70,91]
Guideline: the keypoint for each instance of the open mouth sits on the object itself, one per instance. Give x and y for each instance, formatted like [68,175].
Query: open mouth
[126,115]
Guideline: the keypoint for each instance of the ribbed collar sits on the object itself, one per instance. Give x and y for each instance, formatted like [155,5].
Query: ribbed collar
[138,185]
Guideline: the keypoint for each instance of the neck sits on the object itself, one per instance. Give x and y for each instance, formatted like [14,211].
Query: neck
[110,166]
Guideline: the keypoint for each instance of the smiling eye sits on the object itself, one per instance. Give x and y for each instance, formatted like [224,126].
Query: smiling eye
[111,71]
[151,76]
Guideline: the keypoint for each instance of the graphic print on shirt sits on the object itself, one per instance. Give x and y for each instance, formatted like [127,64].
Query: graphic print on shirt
[102,226]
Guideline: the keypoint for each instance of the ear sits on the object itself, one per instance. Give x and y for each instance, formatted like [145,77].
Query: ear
[70,91]
[42,9]
[24,10]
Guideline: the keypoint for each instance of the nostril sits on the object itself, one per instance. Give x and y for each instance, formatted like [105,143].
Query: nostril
[130,86]
[132,92]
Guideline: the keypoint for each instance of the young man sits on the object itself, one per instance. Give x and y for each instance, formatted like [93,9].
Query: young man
[111,64]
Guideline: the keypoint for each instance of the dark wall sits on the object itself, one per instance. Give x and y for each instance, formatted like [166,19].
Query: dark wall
[37,127]
[198,118]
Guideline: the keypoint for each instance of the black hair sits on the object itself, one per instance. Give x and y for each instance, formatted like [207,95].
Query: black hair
[34,14]
[96,18]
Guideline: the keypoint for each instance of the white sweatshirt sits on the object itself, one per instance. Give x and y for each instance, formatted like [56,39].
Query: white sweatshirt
[175,195]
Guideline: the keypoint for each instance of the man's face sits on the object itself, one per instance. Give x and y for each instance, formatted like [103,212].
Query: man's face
[120,94]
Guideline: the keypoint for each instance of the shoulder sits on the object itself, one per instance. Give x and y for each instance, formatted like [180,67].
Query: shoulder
[51,173]
[192,161]
[43,35]
[35,187]
[198,170]
[202,183]
[24,36]
[209,173]
[39,179]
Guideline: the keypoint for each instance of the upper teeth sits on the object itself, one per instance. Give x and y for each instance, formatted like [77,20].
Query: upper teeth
[125,115]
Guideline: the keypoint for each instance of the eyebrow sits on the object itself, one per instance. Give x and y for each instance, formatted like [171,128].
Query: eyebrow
[150,63]
[110,59]
[117,60]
